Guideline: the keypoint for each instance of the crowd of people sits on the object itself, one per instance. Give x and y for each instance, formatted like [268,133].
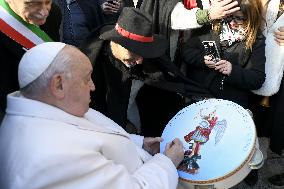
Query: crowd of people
[83,80]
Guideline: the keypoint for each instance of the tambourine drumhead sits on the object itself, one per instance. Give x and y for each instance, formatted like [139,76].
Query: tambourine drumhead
[218,138]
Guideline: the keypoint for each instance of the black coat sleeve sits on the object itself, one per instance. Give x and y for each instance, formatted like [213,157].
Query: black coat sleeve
[193,53]
[161,12]
[93,13]
[168,77]
[252,76]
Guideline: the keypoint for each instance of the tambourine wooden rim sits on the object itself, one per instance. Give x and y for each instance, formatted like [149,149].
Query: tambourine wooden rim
[223,177]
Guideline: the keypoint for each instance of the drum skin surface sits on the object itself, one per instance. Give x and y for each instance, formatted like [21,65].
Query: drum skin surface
[219,139]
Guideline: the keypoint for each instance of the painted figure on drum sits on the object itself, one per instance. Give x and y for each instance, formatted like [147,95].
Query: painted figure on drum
[199,137]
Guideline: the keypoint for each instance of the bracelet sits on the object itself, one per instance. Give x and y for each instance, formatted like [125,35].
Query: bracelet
[202,17]
[209,15]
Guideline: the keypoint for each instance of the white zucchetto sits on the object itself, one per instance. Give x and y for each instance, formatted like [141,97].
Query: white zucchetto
[36,60]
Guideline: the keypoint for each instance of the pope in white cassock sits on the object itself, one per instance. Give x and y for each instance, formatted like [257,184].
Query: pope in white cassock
[50,138]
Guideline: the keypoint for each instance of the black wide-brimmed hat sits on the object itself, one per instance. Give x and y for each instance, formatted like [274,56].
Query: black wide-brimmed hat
[134,32]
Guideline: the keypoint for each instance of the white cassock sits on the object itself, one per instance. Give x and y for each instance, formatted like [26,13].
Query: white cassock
[44,147]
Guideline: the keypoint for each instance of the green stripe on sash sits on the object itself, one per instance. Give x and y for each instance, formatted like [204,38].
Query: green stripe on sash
[35,29]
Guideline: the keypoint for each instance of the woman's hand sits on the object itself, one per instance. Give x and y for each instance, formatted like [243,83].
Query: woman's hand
[208,60]
[111,7]
[224,67]
[220,9]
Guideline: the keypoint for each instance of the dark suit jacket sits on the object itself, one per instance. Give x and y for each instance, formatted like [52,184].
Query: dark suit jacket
[92,12]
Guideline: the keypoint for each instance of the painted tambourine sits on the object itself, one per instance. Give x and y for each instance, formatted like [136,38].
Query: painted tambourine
[220,144]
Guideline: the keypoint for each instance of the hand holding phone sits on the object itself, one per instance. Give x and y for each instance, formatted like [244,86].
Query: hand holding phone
[211,50]
[111,6]
[111,2]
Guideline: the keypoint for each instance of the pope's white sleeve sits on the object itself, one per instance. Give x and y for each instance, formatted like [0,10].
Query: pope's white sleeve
[137,139]
[157,173]
[94,171]
[183,19]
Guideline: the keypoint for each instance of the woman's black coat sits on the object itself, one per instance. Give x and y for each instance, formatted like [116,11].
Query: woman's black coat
[247,67]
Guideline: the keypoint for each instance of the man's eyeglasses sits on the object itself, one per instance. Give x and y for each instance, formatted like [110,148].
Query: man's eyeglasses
[237,19]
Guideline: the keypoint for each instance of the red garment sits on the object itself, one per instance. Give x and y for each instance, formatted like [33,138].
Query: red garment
[190,4]
[205,132]
[212,122]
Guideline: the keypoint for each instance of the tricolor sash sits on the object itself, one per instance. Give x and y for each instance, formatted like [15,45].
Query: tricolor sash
[12,25]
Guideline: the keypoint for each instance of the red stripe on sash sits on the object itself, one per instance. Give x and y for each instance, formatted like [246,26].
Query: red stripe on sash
[15,35]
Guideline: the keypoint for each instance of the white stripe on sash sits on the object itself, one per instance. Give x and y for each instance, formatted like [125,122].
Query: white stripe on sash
[18,26]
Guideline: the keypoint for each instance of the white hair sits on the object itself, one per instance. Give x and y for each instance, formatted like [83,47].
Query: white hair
[62,63]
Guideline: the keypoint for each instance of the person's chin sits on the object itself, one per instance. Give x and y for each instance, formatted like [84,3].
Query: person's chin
[38,22]
[41,22]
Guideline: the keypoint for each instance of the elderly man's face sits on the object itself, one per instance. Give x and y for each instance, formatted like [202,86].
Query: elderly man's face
[125,56]
[32,11]
[79,85]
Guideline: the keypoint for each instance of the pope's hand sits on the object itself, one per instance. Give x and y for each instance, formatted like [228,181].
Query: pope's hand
[174,151]
[152,145]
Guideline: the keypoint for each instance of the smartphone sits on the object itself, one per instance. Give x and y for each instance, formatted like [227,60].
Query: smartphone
[111,2]
[211,49]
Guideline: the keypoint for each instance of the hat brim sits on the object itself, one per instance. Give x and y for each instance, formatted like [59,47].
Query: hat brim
[145,49]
